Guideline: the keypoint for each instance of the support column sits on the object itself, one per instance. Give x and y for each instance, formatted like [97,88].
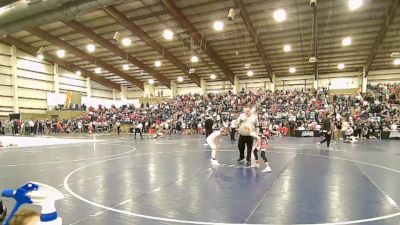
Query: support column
[273,82]
[14,79]
[236,86]
[364,82]
[88,88]
[364,85]
[174,89]
[124,93]
[315,84]
[56,79]
[114,95]
[203,84]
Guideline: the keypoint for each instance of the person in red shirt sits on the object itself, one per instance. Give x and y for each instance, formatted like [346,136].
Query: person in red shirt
[262,145]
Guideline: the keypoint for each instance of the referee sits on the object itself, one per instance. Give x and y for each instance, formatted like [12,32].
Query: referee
[247,124]
[208,125]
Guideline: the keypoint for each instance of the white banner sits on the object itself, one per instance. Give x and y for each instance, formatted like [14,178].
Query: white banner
[54,99]
[95,102]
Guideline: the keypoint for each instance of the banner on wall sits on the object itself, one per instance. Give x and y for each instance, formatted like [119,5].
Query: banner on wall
[54,99]
[68,99]
[95,102]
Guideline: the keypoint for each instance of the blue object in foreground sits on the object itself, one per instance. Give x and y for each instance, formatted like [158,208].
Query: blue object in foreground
[20,196]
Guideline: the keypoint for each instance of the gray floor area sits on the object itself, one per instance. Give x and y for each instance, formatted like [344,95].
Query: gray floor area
[119,180]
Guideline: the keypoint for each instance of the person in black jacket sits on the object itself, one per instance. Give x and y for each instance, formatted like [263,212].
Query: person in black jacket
[208,125]
[327,129]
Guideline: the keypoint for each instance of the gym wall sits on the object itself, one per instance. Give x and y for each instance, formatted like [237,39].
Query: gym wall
[34,80]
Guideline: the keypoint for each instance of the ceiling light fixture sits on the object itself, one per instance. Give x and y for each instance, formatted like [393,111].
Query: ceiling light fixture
[340,66]
[168,34]
[90,47]
[157,63]
[125,67]
[346,41]
[213,76]
[280,15]
[151,81]
[250,73]
[218,25]
[180,79]
[194,59]
[355,4]
[396,62]
[61,53]
[292,70]
[287,48]
[97,70]
[78,73]
[40,57]
[126,41]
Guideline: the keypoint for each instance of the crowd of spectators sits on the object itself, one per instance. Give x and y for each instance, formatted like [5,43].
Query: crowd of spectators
[283,111]
[368,115]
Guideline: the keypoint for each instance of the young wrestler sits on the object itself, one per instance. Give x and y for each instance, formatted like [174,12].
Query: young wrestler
[213,141]
[262,144]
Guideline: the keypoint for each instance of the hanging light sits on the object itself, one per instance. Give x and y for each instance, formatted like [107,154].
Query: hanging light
[280,15]
[168,34]
[355,4]
[40,57]
[180,79]
[218,25]
[250,73]
[340,66]
[78,73]
[157,63]
[61,53]
[292,70]
[97,70]
[90,47]
[125,67]
[126,41]
[151,81]
[194,59]
[346,41]
[213,76]
[287,48]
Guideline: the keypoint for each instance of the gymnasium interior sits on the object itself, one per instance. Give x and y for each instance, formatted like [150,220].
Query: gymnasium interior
[156,112]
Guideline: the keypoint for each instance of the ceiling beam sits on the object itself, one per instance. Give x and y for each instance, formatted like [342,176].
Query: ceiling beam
[85,56]
[54,59]
[7,2]
[136,30]
[254,36]
[387,21]
[181,19]
[89,33]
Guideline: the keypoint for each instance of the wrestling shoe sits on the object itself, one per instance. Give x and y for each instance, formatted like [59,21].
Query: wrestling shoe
[267,169]
[214,162]
[248,164]
[241,160]
[255,164]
